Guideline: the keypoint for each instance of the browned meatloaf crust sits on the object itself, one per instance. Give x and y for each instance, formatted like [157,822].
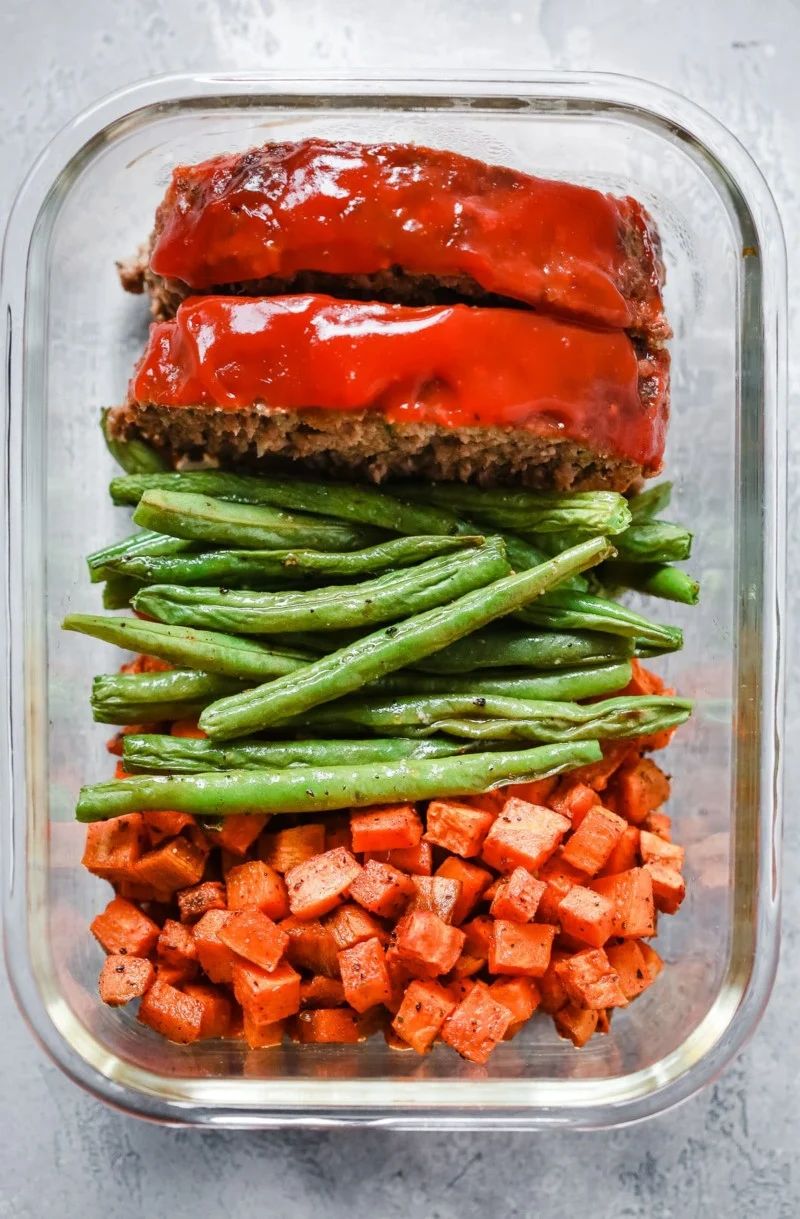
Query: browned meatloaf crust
[366,444]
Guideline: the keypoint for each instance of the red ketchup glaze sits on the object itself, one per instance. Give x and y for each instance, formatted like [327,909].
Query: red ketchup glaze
[351,209]
[454,366]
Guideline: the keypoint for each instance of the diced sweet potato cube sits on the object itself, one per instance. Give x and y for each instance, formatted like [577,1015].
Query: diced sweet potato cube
[176,947]
[320,991]
[477,1024]
[255,883]
[536,791]
[393,1042]
[575,1023]
[286,848]
[437,893]
[457,827]
[163,825]
[217,1009]
[558,877]
[176,864]
[365,977]
[669,887]
[517,897]
[551,988]
[268,997]
[216,958]
[382,889]
[642,787]
[262,1034]
[478,936]
[425,1007]
[123,978]
[417,861]
[399,975]
[599,774]
[654,849]
[590,980]
[520,996]
[625,854]
[349,924]
[474,882]
[113,848]
[427,944]
[520,948]
[318,885]
[196,901]
[588,848]
[168,1011]
[392,827]
[329,1025]
[459,988]
[253,935]
[523,836]
[311,946]
[175,975]
[586,916]
[631,897]
[634,969]
[123,928]
[660,824]
[141,893]
[238,832]
[573,799]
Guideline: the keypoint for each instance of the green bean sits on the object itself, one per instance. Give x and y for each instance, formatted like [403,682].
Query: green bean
[499,730]
[161,753]
[211,651]
[145,543]
[625,716]
[658,580]
[592,512]
[498,648]
[132,698]
[119,591]
[565,685]
[647,542]
[134,456]
[320,789]
[649,503]
[384,599]
[256,568]
[344,501]
[392,648]
[569,611]
[244,526]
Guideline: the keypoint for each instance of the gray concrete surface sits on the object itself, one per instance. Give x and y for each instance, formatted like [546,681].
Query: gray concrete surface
[731,1151]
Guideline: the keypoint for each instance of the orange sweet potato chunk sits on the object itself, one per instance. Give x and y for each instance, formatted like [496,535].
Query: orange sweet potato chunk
[424,1009]
[631,896]
[349,924]
[426,944]
[176,864]
[416,861]
[521,949]
[255,883]
[576,1023]
[474,881]
[477,1025]
[319,991]
[365,977]
[253,935]
[286,848]
[459,828]
[523,836]
[217,1009]
[319,884]
[586,916]
[311,946]
[113,848]
[216,958]
[590,980]
[517,896]
[669,887]
[382,889]
[389,828]
[329,1026]
[267,997]
[194,902]
[437,893]
[174,1015]
[123,928]
[123,978]
[589,847]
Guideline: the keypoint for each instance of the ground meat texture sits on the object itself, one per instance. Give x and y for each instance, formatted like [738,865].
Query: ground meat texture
[402,223]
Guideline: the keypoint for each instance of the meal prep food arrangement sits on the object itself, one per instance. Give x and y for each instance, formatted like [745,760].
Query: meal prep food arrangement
[386,754]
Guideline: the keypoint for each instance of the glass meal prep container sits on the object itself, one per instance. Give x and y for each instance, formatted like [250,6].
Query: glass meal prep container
[71,338]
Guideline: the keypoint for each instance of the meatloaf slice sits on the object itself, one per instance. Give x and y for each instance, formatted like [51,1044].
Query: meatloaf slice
[446,392]
[403,223]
